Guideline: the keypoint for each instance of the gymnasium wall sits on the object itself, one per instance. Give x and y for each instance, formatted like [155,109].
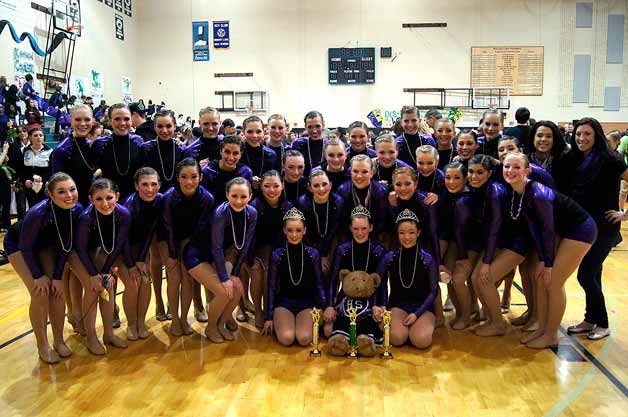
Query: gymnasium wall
[97,48]
[284,43]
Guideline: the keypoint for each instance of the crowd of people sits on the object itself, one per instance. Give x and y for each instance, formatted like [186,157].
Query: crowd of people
[265,223]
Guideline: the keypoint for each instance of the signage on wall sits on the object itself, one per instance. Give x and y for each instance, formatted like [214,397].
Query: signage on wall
[128,9]
[24,62]
[221,34]
[119,27]
[109,3]
[200,41]
[118,5]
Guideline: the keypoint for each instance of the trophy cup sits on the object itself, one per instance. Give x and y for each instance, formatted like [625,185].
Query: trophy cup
[387,316]
[353,332]
[316,316]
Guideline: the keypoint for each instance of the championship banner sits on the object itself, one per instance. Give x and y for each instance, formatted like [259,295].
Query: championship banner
[118,5]
[119,27]
[221,34]
[200,41]
[109,3]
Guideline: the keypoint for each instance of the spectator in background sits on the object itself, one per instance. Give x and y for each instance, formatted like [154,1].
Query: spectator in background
[101,110]
[36,167]
[4,125]
[522,130]
[95,132]
[622,149]
[144,128]
[431,117]
[151,109]
[3,88]
[27,89]
[16,162]
[33,116]
[6,178]
[228,127]
[180,121]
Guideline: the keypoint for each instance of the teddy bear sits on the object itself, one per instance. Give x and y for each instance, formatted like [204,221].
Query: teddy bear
[358,291]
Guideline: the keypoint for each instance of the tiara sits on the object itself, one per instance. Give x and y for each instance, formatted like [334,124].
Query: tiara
[293,214]
[407,215]
[360,211]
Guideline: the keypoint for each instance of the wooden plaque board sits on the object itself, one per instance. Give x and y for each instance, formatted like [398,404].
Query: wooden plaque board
[517,67]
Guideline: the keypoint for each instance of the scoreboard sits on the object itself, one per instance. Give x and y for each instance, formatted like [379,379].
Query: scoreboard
[351,65]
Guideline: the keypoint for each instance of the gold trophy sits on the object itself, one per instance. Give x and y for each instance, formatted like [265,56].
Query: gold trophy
[316,317]
[353,332]
[387,317]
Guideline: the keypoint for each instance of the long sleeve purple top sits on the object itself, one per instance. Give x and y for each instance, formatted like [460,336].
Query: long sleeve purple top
[434,183]
[183,216]
[281,284]
[74,157]
[321,232]
[205,148]
[222,238]
[377,203]
[215,179]
[537,208]
[260,159]
[354,257]
[481,210]
[163,156]
[119,157]
[269,230]
[352,152]
[88,237]
[312,150]
[38,231]
[145,216]
[428,219]
[424,284]
[536,174]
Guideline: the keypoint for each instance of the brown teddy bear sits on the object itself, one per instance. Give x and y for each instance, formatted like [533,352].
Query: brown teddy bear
[358,291]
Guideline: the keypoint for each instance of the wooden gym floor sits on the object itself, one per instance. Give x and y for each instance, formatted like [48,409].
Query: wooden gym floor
[461,375]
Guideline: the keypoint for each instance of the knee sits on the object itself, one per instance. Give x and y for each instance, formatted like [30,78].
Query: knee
[304,337]
[398,338]
[285,337]
[421,340]
[39,301]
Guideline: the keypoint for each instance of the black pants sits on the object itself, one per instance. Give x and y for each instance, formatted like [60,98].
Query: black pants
[5,202]
[20,203]
[590,278]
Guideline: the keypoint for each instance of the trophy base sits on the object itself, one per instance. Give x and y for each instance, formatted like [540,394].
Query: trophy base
[315,353]
[386,355]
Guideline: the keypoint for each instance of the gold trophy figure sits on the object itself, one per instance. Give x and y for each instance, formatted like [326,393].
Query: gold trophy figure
[387,317]
[316,317]
[353,332]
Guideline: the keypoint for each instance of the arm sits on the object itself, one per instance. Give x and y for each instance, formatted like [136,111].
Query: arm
[167,218]
[432,272]
[82,242]
[461,222]
[250,232]
[217,241]
[333,279]
[382,270]
[320,291]
[432,220]
[33,223]
[543,234]
[494,227]
[273,272]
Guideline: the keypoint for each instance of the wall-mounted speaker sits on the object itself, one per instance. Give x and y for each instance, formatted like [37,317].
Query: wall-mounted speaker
[385,52]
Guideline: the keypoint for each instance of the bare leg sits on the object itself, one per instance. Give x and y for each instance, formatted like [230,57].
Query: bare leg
[284,324]
[174,283]
[205,274]
[422,330]
[507,294]
[304,327]
[398,331]
[187,289]
[76,293]
[90,298]
[157,278]
[258,276]
[37,310]
[568,257]
[129,299]
[504,262]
